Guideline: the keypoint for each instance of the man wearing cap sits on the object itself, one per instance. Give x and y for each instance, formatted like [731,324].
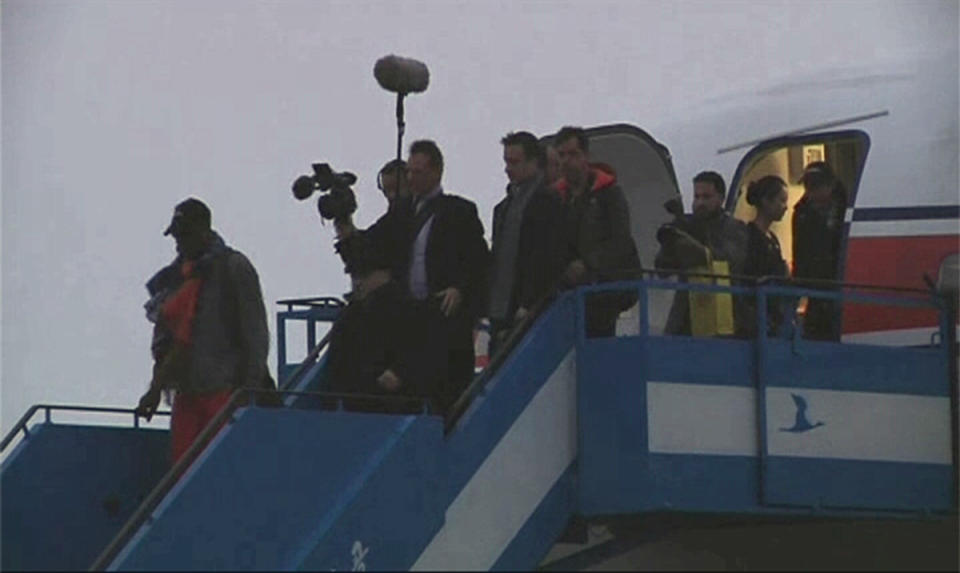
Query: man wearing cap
[210,328]
[817,235]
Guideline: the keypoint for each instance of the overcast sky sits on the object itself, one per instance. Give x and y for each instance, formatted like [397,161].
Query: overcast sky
[112,112]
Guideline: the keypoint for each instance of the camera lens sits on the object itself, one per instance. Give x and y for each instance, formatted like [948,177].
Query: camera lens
[303,187]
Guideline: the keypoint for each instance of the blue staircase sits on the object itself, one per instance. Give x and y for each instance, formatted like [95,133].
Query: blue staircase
[564,426]
[67,490]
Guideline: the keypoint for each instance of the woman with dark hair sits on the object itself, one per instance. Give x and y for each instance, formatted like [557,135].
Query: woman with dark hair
[769,196]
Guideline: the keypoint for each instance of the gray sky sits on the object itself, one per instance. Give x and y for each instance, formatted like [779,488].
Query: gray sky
[112,112]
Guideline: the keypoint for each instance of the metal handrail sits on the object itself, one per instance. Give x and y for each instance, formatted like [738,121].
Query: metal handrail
[307,362]
[520,330]
[315,301]
[238,399]
[451,417]
[781,280]
[47,408]
[172,476]
[506,349]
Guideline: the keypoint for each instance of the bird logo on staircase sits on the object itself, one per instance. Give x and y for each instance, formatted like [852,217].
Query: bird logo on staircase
[802,424]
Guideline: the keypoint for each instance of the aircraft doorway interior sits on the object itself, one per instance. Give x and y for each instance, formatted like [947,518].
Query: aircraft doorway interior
[845,152]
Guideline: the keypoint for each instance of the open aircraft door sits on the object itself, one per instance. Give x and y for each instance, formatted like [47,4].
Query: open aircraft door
[844,425]
[645,172]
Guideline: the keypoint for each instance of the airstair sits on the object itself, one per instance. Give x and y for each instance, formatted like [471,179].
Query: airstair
[560,426]
[557,431]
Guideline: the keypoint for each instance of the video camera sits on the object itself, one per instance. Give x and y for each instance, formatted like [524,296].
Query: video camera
[337,200]
[682,238]
[668,232]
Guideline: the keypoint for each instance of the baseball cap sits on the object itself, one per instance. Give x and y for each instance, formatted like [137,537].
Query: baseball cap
[818,173]
[190,214]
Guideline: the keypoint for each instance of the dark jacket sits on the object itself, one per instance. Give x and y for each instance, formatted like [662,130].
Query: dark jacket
[230,339]
[540,248]
[457,254]
[382,332]
[387,236]
[763,259]
[817,234]
[597,229]
[726,237]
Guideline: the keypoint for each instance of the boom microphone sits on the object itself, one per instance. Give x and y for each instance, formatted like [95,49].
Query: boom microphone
[401,75]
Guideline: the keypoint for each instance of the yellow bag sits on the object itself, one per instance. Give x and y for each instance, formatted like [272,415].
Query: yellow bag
[711,313]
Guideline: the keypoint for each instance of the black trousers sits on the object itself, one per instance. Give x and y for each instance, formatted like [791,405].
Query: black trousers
[602,311]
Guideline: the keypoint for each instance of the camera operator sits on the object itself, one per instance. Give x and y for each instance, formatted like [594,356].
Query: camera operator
[391,229]
[690,241]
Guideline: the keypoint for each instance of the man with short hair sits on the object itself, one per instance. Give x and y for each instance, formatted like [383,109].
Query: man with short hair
[599,242]
[447,262]
[713,228]
[390,231]
[392,180]
[527,241]
[210,327]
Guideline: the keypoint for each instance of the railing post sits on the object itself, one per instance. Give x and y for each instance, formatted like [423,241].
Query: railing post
[281,347]
[760,358]
[644,309]
[311,334]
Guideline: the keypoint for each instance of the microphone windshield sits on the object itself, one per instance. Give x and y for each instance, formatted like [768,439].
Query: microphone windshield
[401,75]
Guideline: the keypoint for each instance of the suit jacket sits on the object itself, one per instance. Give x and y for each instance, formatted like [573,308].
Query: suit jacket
[457,254]
[541,248]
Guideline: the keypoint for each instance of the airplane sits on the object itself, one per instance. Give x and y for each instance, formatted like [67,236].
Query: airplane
[897,160]
[612,430]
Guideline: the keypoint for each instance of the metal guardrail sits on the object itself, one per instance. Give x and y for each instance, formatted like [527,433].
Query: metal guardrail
[318,309]
[21,424]
[239,398]
[742,285]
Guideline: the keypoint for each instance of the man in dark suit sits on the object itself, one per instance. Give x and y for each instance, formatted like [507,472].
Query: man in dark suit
[447,263]
[527,241]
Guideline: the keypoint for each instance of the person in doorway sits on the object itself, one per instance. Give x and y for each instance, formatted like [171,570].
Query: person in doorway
[763,257]
[817,236]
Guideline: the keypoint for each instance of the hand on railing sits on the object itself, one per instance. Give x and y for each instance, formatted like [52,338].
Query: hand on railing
[148,403]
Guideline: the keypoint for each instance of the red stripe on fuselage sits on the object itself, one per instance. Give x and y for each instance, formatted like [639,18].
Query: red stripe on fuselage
[898,262]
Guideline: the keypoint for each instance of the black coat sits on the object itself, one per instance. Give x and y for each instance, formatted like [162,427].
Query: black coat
[541,248]
[597,228]
[380,332]
[597,232]
[817,235]
[457,254]
[763,260]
